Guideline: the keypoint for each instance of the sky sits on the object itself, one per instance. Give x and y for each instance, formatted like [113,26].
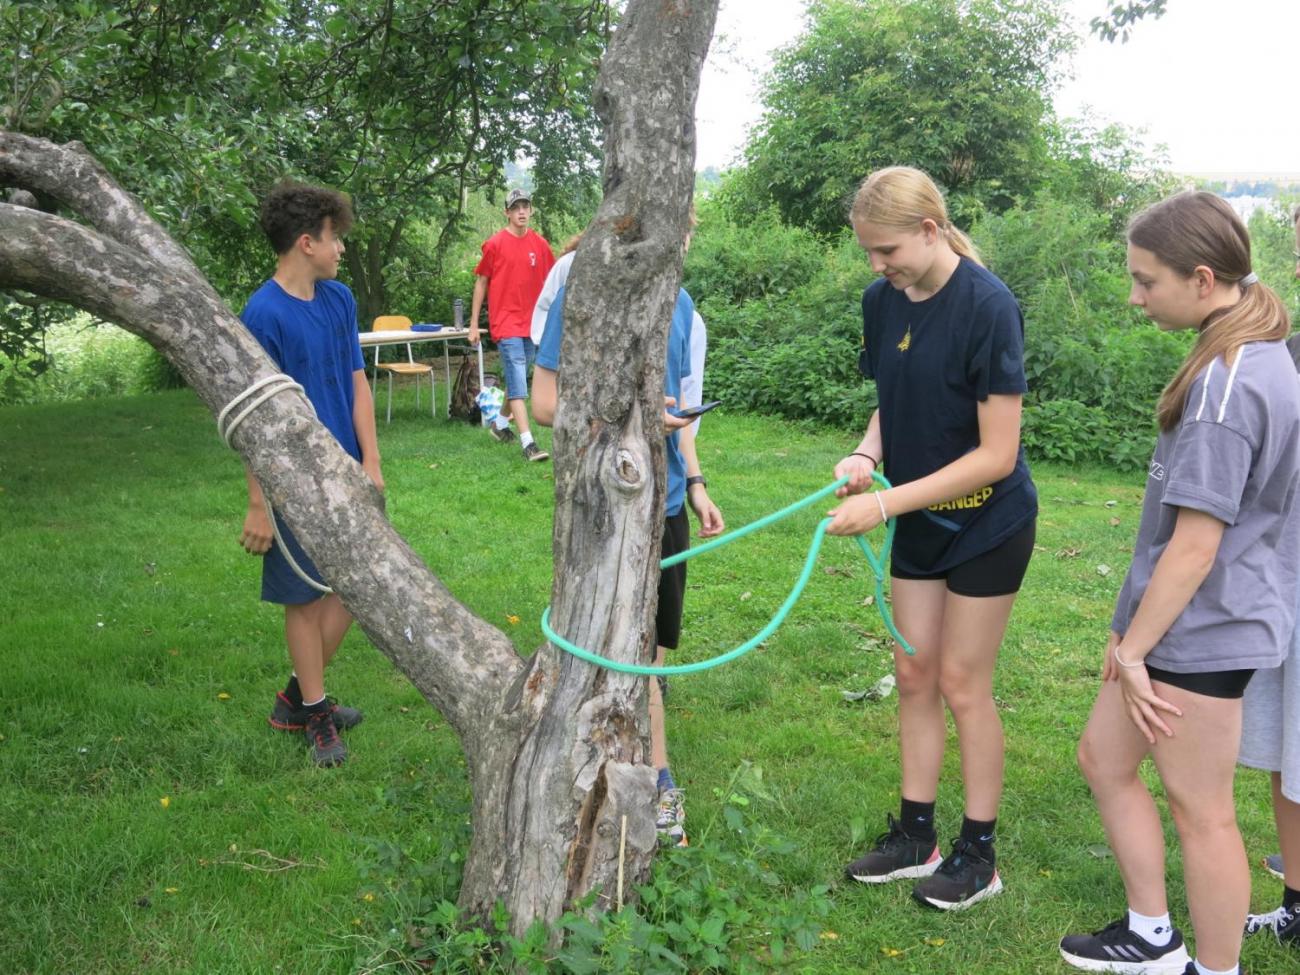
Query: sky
[1215,81]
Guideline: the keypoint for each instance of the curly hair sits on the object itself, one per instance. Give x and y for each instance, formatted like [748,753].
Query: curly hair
[292,209]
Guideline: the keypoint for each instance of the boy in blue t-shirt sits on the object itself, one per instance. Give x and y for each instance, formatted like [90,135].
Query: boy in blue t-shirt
[307,323]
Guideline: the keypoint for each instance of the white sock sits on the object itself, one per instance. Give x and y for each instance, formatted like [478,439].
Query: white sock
[1202,970]
[1159,931]
[525,439]
[312,704]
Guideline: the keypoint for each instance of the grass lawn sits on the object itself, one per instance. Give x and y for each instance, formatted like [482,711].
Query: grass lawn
[151,821]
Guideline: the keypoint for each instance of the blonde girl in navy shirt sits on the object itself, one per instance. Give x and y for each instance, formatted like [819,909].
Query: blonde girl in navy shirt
[1209,598]
[943,338]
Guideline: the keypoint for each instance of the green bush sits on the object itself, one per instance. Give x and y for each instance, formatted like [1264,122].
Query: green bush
[785,326]
[721,905]
[84,360]
[1095,367]
[762,258]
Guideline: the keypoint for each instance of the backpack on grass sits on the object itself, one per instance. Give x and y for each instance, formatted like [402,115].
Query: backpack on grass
[465,390]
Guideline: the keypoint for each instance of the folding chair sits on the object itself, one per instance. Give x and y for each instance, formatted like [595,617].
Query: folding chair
[400,323]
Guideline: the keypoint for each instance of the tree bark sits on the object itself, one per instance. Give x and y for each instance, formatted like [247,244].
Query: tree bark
[557,749]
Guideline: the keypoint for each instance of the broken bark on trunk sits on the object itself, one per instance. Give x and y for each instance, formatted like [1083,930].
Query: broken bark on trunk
[557,749]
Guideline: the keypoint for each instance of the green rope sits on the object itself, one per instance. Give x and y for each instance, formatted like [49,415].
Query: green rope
[876,561]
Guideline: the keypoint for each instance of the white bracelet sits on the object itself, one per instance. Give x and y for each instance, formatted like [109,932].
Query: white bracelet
[880,501]
[1120,660]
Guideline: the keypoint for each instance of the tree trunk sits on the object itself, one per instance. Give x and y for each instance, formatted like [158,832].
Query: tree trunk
[557,749]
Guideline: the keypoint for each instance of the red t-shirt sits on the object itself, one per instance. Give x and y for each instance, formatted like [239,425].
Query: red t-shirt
[516,269]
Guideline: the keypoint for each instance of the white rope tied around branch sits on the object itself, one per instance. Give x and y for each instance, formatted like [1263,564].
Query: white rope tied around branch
[268,386]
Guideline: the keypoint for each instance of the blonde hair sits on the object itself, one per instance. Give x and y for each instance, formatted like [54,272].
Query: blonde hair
[900,196]
[1198,229]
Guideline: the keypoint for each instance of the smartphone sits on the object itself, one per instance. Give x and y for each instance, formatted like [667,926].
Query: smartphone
[691,412]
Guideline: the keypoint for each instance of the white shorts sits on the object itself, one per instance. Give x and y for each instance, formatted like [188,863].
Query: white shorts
[1270,724]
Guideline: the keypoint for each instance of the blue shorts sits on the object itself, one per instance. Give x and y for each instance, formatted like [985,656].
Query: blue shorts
[517,355]
[280,584]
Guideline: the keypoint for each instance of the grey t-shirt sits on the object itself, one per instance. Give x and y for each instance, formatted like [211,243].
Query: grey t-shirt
[1234,455]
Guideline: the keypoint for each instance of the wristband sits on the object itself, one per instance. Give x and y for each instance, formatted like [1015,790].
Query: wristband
[858,453]
[1127,666]
[696,479]
[884,517]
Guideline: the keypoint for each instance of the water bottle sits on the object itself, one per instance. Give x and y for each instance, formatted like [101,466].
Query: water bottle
[458,313]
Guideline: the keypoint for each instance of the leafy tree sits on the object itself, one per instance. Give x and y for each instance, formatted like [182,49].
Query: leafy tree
[198,106]
[1106,169]
[414,105]
[564,789]
[959,89]
[1117,23]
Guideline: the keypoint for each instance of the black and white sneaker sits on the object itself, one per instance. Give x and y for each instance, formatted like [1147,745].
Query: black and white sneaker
[965,877]
[534,453]
[501,434]
[896,856]
[1284,923]
[1117,949]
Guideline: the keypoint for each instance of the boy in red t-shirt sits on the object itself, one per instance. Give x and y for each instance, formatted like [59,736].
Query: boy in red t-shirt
[511,273]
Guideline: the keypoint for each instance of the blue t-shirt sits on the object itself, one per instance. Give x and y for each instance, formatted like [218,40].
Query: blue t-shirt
[678,367]
[934,362]
[316,343]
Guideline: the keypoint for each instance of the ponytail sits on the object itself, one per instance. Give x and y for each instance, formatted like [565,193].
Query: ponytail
[1260,316]
[901,196]
[1198,229]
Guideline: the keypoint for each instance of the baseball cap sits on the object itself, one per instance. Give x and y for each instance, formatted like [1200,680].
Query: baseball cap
[517,196]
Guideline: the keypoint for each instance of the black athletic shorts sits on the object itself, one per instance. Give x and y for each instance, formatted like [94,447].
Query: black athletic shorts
[997,572]
[1229,684]
[672,581]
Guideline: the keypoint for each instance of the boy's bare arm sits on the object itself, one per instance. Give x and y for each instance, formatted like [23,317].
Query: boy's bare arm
[363,422]
[257,534]
[476,306]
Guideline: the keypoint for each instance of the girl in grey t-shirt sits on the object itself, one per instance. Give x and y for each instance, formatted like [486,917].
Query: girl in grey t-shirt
[1210,595]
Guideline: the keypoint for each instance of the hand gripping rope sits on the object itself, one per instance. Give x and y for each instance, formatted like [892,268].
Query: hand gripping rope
[274,384]
[876,561]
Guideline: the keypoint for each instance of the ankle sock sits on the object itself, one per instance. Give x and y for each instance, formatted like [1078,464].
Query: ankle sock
[666,780]
[1159,931]
[979,833]
[1290,898]
[917,819]
[318,707]
[293,692]
[525,439]
[1202,970]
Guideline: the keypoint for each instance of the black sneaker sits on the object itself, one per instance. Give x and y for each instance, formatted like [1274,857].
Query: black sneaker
[964,878]
[1117,949]
[1273,864]
[1288,929]
[532,452]
[285,717]
[1284,923]
[327,750]
[896,856]
[502,434]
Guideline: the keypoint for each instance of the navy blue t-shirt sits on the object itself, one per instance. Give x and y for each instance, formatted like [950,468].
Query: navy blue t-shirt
[934,361]
[316,343]
[677,368]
